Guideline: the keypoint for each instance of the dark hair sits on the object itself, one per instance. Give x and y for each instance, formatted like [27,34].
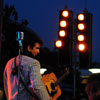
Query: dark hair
[93,85]
[31,40]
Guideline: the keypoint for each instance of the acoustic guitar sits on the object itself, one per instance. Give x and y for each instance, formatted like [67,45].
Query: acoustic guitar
[51,84]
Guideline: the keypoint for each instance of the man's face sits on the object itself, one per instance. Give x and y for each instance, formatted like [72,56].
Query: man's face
[35,50]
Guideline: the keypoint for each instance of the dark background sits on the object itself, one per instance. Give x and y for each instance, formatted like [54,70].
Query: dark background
[43,17]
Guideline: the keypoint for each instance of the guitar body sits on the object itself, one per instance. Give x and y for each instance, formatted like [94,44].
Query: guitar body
[49,80]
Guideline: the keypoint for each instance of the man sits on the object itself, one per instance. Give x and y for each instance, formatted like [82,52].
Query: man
[30,68]
[93,87]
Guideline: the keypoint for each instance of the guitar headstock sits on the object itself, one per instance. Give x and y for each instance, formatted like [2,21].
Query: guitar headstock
[67,70]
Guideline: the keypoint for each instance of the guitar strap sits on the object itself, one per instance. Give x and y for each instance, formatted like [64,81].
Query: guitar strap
[25,84]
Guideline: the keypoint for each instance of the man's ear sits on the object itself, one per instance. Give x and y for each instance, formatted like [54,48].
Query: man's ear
[29,48]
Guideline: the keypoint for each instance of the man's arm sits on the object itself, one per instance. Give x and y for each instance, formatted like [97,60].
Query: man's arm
[36,81]
[34,96]
[5,83]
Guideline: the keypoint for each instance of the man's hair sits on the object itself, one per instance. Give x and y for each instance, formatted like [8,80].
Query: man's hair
[31,40]
[93,86]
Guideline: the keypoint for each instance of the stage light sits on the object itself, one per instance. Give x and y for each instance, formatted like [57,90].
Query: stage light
[65,13]
[58,44]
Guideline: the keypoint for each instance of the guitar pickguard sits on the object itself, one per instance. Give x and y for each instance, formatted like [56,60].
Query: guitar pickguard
[51,91]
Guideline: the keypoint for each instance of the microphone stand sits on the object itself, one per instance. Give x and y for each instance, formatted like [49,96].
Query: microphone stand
[19,39]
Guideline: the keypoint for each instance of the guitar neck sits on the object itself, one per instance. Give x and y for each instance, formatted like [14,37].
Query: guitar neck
[60,79]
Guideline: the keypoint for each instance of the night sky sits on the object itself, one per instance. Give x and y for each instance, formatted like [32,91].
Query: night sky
[43,17]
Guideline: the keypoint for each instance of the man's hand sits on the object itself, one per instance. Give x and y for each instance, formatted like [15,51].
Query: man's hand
[34,96]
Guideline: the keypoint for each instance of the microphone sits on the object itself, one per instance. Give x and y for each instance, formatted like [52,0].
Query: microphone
[19,36]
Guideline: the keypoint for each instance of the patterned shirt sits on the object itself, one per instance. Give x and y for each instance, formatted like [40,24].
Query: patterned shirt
[31,72]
